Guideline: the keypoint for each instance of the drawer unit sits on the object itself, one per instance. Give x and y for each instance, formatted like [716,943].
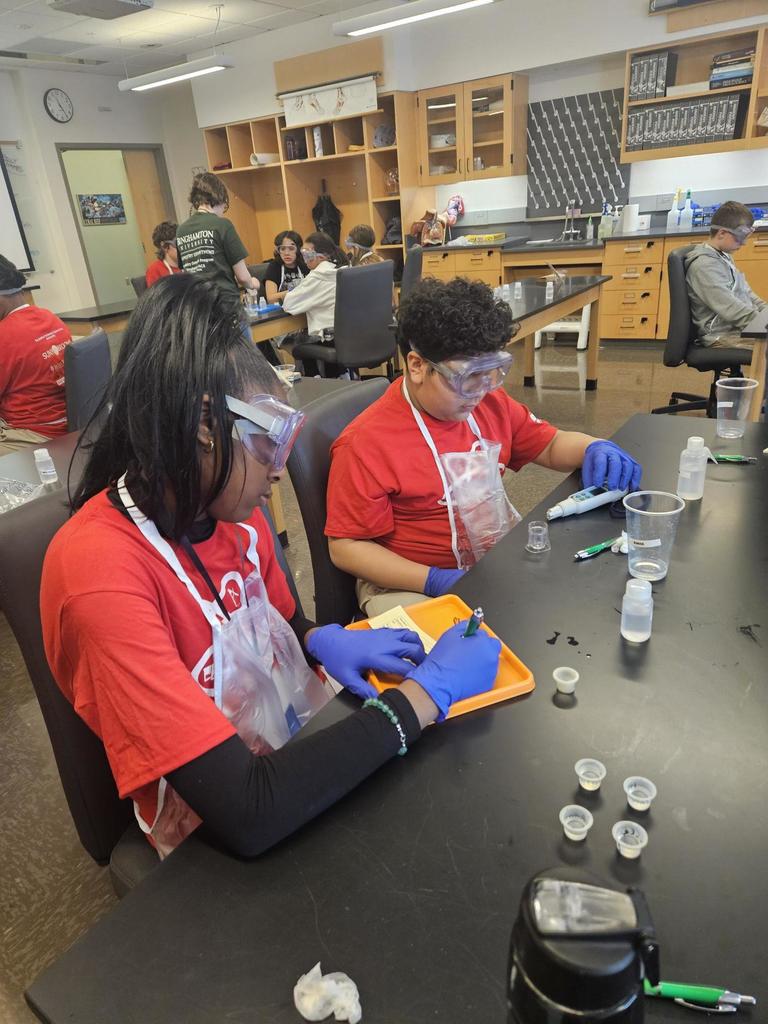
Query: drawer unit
[755,248]
[640,276]
[483,265]
[437,262]
[622,325]
[485,261]
[630,300]
[631,251]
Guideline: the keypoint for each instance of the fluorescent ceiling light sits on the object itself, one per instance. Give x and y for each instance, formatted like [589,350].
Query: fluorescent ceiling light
[404,14]
[178,73]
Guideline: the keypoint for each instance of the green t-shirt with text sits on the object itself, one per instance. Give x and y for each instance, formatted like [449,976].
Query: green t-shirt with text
[208,244]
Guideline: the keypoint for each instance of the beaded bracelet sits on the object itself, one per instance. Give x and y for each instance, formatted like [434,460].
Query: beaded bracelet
[374,702]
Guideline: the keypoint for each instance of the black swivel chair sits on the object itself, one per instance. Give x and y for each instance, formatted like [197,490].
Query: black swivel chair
[362,320]
[308,467]
[411,270]
[258,270]
[680,346]
[139,285]
[87,372]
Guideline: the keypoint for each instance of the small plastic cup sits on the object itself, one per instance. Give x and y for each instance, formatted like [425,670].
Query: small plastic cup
[590,773]
[538,537]
[734,396]
[640,792]
[576,822]
[287,373]
[630,838]
[565,679]
[652,518]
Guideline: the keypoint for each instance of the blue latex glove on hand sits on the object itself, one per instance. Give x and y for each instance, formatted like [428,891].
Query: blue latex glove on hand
[440,581]
[607,465]
[347,654]
[458,667]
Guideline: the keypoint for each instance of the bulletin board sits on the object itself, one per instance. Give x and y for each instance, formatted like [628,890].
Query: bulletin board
[574,144]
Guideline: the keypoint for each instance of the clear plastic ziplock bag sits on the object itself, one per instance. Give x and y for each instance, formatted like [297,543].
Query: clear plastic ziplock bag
[482,507]
[16,492]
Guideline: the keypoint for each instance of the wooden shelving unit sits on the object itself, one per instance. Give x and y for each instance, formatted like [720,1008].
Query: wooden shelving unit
[694,61]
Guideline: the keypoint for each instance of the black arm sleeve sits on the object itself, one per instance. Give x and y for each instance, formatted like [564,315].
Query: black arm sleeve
[301,626]
[249,803]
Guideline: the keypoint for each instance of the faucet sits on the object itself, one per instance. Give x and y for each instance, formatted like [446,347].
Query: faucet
[570,233]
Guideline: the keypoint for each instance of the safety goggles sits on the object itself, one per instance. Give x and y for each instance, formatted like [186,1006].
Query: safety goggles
[286,248]
[309,254]
[476,375]
[741,233]
[266,428]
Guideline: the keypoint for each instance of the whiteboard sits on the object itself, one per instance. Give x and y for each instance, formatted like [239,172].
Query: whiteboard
[13,243]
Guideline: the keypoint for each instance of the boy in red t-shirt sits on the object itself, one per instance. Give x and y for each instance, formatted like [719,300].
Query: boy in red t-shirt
[32,342]
[389,520]
[167,262]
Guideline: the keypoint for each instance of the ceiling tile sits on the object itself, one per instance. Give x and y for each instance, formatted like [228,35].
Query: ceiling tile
[39,44]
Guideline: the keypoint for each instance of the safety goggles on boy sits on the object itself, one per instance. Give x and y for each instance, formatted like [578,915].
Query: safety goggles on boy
[475,375]
[741,233]
[266,428]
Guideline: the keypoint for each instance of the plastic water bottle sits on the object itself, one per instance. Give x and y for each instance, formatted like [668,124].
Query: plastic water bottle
[686,214]
[673,217]
[549,291]
[46,470]
[518,290]
[637,611]
[262,304]
[693,469]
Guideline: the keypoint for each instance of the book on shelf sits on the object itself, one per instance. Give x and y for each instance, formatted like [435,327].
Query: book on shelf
[650,88]
[731,83]
[686,123]
[734,56]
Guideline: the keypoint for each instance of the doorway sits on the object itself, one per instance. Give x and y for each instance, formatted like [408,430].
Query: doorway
[118,195]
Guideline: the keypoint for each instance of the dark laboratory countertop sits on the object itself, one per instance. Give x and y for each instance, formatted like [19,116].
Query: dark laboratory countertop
[664,232]
[555,246]
[533,293]
[505,243]
[99,312]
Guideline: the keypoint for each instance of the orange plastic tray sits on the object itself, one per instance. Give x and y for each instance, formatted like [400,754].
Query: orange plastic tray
[434,617]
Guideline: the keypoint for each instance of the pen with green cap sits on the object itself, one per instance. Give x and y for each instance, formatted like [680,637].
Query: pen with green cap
[595,549]
[699,997]
[474,623]
[738,460]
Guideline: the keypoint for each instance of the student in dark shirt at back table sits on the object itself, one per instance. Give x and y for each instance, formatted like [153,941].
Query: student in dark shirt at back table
[287,268]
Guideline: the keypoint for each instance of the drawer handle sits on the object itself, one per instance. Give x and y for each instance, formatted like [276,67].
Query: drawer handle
[760,245]
[633,248]
[644,295]
[634,273]
[628,302]
[627,320]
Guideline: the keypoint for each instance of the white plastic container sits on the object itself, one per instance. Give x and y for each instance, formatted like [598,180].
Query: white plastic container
[693,470]
[673,217]
[637,611]
[576,822]
[686,214]
[630,838]
[640,791]
[46,470]
[590,773]
[565,679]
[549,291]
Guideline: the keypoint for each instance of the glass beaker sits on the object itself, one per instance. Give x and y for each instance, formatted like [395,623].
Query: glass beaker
[734,397]
[652,518]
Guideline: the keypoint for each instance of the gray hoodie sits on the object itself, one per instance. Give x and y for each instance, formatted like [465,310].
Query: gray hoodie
[722,303]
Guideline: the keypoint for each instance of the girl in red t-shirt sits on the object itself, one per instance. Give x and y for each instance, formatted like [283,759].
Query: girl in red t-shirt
[167,262]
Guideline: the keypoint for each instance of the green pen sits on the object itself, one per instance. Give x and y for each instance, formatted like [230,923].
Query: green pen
[739,460]
[475,621]
[697,997]
[595,549]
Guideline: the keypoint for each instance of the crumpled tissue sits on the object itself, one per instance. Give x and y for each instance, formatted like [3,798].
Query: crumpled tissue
[317,996]
[621,545]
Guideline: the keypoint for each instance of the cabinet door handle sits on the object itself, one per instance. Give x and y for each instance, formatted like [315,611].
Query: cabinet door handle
[632,274]
[633,248]
[760,245]
[644,295]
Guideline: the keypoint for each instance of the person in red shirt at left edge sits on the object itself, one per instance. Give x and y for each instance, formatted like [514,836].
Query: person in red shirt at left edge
[32,342]
[415,495]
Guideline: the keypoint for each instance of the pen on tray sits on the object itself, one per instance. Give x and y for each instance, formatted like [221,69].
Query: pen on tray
[739,460]
[475,621]
[699,997]
[595,549]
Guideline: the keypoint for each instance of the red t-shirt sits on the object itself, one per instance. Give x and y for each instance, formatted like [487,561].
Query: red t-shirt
[32,343]
[384,483]
[128,644]
[157,270]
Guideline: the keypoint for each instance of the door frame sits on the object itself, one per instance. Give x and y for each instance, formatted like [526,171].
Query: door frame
[162,173]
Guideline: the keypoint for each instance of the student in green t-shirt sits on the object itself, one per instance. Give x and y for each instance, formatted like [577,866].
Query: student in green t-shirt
[207,242]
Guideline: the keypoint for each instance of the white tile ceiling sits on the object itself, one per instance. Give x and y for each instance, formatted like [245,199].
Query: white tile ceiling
[147,40]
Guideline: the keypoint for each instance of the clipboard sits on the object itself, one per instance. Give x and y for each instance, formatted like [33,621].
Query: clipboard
[434,617]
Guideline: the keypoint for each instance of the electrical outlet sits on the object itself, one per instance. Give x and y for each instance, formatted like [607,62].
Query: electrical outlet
[643,221]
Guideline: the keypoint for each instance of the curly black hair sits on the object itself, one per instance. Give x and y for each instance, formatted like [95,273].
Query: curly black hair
[453,320]
[10,277]
[164,232]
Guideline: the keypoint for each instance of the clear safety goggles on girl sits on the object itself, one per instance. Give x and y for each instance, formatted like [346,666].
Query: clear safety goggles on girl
[266,428]
[476,375]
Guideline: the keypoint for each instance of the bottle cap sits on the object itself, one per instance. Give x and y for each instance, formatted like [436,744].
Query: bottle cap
[641,590]
[696,443]
[41,455]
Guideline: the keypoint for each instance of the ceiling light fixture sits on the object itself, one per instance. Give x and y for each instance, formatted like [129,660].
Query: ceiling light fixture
[177,73]
[404,14]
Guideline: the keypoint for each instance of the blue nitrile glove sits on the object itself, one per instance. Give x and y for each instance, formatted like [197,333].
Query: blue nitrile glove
[347,654]
[607,465]
[458,667]
[440,581]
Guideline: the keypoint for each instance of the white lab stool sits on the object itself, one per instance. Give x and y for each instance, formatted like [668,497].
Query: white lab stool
[580,327]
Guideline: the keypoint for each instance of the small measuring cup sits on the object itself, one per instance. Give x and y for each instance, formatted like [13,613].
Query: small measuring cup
[640,792]
[565,679]
[576,822]
[630,838]
[538,537]
[590,773]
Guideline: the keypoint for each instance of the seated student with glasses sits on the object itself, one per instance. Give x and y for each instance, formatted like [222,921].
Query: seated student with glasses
[315,296]
[391,519]
[167,262]
[359,245]
[167,620]
[287,269]
[722,303]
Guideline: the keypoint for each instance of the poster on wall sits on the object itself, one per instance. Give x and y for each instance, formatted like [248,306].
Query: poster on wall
[574,147]
[329,102]
[101,208]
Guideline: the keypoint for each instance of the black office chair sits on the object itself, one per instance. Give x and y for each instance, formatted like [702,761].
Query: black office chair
[411,270]
[87,372]
[362,321]
[139,285]
[105,824]
[681,348]
[308,467]
[258,270]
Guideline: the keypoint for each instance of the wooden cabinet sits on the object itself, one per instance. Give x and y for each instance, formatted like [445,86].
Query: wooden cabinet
[472,130]
[478,265]
[633,251]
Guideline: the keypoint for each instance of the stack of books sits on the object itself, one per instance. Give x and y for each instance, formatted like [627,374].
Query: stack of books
[735,67]
[650,74]
[687,123]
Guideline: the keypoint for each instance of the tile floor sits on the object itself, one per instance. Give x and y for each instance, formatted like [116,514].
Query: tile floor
[50,890]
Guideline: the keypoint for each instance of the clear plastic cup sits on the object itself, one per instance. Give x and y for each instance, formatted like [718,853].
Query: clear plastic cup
[734,397]
[538,537]
[287,373]
[590,773]
[630,838]
[652,518]
[565,679]
[640,792]
[576,822]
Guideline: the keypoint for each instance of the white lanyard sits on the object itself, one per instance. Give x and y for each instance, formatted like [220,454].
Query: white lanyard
[168,267]
[446,489]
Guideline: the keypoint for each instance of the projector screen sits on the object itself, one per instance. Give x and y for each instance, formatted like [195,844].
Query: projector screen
[13,244]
